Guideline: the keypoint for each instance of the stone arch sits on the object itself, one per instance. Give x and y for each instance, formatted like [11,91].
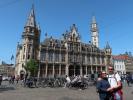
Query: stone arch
[74,69]
[22,73]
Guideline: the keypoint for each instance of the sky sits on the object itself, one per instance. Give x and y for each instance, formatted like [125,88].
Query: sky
[114,19]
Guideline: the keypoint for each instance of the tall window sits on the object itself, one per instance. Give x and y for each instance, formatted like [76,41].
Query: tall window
[76,47]
[93,60]
[68,46]
[62,57]
[24,48]
[79,58]
[28,56]
[70,58]
[88,59]
[29,48]
[56,57]
[83,58]
[98,60]
[23,56]
[71,47]
[43,56]
[50,56]
[102,60]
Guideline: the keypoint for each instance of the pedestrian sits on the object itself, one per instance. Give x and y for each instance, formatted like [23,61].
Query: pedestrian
[13,78]
[0,79]
[128,79]
[115,83]
[9,80]
[67,84]
[17,79]
[103,87]
[35,81]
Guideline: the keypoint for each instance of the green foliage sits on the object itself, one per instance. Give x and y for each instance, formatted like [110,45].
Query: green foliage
[31,66]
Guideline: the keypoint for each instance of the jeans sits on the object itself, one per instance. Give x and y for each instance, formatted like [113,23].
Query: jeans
[117,95]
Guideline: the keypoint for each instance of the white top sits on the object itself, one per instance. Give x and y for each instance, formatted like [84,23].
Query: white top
[113,79]
[75,79]
[68,79]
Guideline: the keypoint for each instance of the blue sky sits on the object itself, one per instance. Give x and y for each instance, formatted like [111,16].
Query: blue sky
[114,18]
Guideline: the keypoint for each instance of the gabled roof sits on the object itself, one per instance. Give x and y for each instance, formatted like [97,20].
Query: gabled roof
[120,57]
[56,42]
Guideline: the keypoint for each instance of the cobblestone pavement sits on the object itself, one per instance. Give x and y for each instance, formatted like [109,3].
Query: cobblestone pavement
[19,93]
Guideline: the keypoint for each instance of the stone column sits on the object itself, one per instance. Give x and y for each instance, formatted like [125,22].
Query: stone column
[101,68]
[53,70]
[74,71]
[67,71]
[96,60]
[46,70]
[100,60]
[96,68]
[81,70]
[60,70]
[92,71]
[86,70]
[90,60]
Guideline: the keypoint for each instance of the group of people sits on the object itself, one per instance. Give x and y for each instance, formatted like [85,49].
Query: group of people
[109,86]
[11,79]
[74,81]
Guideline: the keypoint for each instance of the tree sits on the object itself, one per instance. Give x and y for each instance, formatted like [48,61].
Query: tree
[32,67]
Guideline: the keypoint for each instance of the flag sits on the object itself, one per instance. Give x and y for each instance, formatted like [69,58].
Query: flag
[12,57]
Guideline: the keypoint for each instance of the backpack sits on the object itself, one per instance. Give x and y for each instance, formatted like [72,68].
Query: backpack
[118,91]
[114,76]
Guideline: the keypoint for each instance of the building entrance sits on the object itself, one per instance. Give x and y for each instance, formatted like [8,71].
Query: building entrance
[22,73]
[77,70]
[74,70]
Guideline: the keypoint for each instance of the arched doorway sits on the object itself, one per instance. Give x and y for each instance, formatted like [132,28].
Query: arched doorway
[22,73]
[74,70]
[77,70]
[71,70]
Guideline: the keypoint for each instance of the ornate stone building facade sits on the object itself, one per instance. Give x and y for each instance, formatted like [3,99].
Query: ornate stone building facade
[129,64]
[66,56]
[7,69]
[119,63]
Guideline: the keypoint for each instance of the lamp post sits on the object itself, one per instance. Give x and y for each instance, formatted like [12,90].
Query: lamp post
[39,62]
[38,70]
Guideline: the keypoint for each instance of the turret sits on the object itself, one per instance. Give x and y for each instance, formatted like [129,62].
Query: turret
[31,38]
[108,49]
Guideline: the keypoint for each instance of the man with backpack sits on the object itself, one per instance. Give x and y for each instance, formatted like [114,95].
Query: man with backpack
[115,83]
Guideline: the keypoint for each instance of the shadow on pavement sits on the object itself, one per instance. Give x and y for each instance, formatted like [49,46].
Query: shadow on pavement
[5,88]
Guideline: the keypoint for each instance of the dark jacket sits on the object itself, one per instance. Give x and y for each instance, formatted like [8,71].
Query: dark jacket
[102,87]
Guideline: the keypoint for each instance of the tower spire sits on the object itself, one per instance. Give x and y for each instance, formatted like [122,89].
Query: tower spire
[94,32]
[93,19]
[31,18]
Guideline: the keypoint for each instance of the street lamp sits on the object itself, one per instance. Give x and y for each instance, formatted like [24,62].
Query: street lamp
[39,60]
